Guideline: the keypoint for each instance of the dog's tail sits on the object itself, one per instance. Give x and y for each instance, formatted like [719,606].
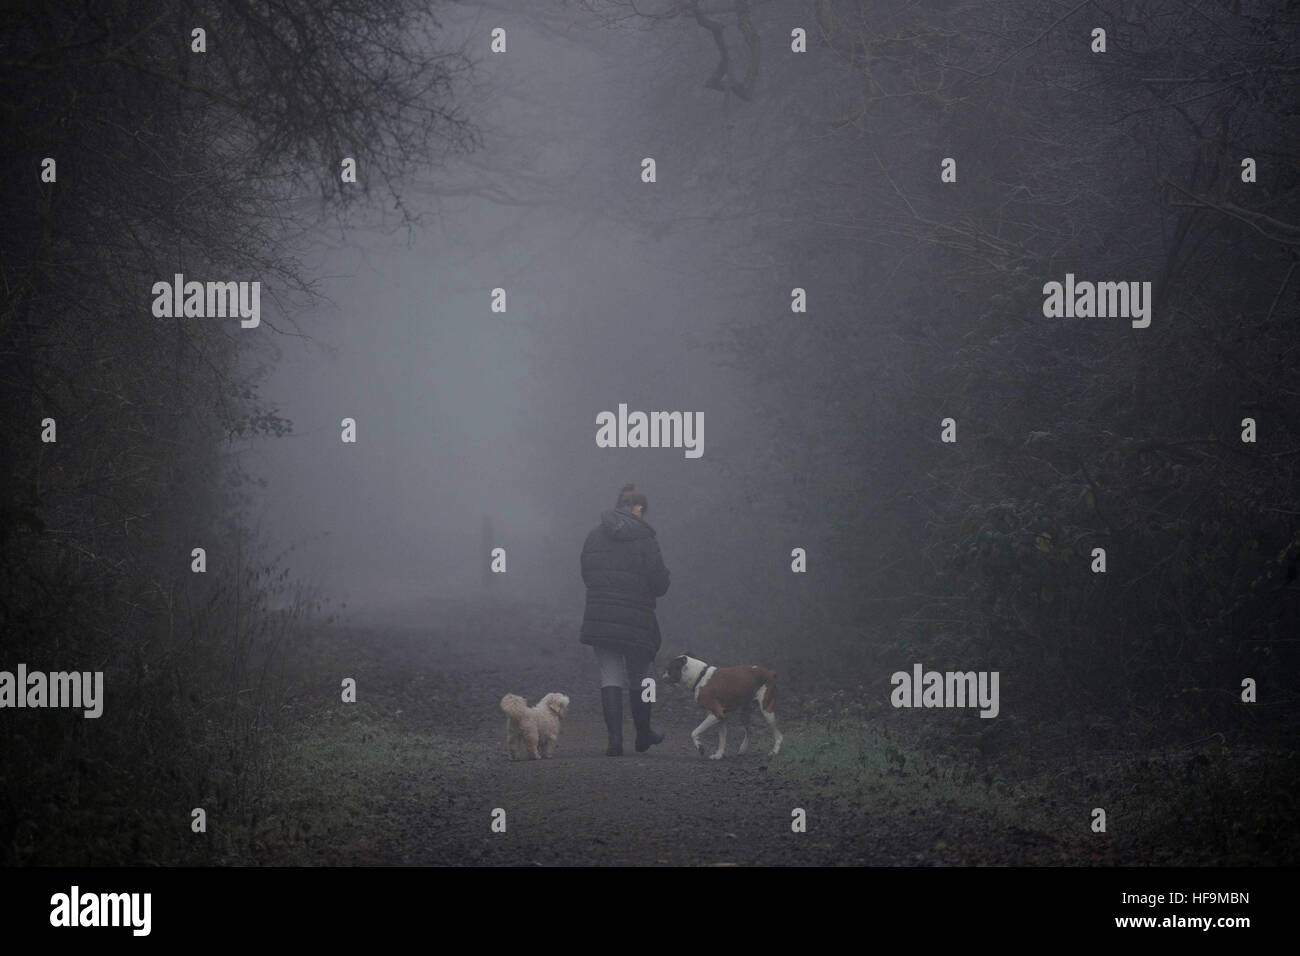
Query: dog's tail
[769,695]
[514,705]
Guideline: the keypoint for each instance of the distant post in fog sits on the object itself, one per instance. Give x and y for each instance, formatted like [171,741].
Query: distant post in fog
[485,556]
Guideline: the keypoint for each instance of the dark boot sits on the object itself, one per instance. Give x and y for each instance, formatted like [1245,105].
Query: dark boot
[611,702]
[645,737]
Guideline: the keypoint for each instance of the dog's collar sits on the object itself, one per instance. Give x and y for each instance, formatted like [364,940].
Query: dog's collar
[696,685]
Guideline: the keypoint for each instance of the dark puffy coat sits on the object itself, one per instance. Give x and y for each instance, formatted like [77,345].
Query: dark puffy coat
[624,573]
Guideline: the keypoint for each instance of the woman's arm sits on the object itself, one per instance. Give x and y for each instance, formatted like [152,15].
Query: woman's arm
[656,574]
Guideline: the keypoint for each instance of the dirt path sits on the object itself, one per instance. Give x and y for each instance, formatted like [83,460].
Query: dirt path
[666,806]
[428,767]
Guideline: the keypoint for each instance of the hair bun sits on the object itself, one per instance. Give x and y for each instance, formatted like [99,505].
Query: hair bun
[629,498]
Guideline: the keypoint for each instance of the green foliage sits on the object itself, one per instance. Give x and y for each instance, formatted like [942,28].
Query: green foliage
[1072,435]
[168,161]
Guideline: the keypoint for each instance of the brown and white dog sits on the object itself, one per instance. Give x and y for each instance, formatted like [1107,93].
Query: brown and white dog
[722,690]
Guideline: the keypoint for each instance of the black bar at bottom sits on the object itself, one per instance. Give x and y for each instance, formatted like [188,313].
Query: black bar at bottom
[531,906]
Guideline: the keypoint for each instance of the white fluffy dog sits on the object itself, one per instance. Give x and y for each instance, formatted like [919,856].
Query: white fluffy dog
[536,727]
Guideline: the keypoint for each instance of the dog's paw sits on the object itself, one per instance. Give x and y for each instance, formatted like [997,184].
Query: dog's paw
[698,746]
[715,756]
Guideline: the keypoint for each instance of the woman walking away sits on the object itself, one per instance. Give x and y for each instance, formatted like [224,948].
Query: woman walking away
[624,573]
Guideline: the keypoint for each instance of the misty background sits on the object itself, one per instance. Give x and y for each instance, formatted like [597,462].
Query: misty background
[1164,151]
[616,294]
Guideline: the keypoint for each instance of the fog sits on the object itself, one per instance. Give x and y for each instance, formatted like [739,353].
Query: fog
[466,416]
[987,310]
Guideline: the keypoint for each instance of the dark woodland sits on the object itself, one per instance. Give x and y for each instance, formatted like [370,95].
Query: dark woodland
[776,170]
